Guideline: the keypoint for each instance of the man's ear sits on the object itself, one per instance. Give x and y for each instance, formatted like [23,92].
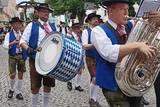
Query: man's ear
[109,10]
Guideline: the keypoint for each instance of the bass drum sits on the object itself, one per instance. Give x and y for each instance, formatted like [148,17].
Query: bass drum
[59,58]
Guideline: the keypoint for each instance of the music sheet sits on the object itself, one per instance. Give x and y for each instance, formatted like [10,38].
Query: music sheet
[148,6]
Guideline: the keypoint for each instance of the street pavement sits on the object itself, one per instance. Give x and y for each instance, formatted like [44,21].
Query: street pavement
[60,96]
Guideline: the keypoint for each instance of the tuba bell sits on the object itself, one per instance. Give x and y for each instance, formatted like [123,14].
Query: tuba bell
[134,74]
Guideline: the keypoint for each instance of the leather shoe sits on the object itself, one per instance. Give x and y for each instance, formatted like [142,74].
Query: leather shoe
[93,103]
[145,102]
[19,96]
[79,88]
[10,94]
[69,86]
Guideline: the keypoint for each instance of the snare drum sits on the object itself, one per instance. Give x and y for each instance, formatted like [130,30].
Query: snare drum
[60,57]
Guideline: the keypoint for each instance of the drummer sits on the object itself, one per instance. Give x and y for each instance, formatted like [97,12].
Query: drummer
[31,38]
[76,34]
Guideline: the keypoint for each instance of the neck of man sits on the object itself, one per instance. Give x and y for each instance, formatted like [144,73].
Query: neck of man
[16,30]
[92,26]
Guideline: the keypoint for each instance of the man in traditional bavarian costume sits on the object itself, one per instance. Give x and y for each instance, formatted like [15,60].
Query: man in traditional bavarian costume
[76,34]
[93,20]
[16,57]
[31,38]
[109,40]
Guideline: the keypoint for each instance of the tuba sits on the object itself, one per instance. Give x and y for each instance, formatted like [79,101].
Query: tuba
[134,74]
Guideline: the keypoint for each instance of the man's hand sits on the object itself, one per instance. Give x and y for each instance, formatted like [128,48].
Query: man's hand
[13,42]
[39,49]
[148,50]
[30,50]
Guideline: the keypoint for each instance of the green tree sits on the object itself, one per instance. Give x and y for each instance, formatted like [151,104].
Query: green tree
[76,7]
[131,9]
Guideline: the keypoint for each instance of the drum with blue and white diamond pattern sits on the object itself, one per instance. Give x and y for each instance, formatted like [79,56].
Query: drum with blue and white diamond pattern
[60,58]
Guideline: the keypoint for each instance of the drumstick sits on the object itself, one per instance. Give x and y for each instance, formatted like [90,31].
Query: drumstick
[39,49]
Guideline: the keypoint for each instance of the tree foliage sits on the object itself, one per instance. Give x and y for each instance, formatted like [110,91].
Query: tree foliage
[76,7]
[131,9]
[73,6]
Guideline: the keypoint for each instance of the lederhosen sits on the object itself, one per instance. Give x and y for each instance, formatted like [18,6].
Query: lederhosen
[16,58]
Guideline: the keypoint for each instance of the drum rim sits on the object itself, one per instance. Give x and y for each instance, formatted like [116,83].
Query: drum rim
[38,68]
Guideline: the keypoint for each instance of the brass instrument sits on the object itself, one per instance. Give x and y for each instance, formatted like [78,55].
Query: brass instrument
[134,74]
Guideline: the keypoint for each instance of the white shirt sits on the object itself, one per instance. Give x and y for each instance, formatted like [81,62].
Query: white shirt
[103,44]
[6,40]
[69,35]
[27,33]
[75,36]
[85,36]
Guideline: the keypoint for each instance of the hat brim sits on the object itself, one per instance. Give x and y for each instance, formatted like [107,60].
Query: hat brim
[76,25]
[41,7]
[13,21]
[108,3]
[89,18]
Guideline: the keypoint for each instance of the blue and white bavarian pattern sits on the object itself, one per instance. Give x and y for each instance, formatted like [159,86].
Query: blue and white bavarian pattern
[60,58]
[70,62]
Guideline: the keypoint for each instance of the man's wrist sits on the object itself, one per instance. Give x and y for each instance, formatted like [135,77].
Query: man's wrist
[30,50]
